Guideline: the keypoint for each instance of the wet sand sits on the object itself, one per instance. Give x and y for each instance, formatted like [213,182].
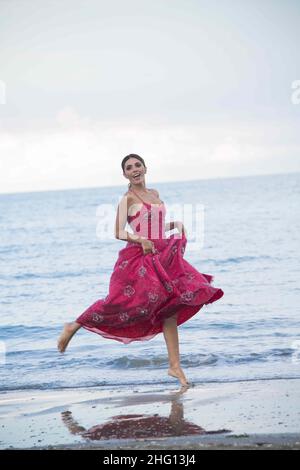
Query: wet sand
[240,415]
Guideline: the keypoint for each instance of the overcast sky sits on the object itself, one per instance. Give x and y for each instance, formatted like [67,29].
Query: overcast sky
[199,89]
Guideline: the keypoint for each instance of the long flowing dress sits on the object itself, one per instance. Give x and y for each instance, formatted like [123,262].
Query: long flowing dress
[144,290]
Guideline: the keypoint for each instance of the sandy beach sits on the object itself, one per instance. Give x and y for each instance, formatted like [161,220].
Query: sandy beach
[254,414]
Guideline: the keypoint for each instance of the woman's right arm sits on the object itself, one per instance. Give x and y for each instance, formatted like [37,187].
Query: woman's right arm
[120,224]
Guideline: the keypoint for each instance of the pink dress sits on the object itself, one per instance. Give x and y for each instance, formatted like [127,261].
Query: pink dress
[144,290]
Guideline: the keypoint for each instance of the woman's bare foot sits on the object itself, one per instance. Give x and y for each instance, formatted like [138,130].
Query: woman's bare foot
[67,333]
[178,373]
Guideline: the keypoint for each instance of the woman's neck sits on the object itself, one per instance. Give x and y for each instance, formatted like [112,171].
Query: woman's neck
[139,189]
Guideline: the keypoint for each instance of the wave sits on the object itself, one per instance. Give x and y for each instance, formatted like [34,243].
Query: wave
[90,384]
[239,259]
[43,359]
[17,331]
[53,275]
[198,360]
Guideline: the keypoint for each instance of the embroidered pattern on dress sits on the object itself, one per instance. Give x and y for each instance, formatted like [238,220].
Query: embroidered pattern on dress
[97,318]
[174,249]
[152,296]
[142,311]
[123,316]
[187,296]
[190,276]
[129,290]
[123,264]
[168,286]
[142,271]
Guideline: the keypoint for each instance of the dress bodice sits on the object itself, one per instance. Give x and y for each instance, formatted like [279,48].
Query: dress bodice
[149,221]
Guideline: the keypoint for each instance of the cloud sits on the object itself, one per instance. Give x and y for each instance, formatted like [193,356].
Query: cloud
[78,151]
[68,117]
[228,151]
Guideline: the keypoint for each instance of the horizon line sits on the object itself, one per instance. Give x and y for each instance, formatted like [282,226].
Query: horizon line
[151,182]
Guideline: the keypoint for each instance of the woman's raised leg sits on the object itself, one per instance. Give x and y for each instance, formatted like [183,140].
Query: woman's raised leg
[68,332]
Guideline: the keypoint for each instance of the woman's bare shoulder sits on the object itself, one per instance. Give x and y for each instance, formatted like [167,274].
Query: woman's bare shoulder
[154,191]
[127,197]
[128,194]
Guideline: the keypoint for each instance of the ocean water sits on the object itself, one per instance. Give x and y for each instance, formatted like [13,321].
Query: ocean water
[53,266]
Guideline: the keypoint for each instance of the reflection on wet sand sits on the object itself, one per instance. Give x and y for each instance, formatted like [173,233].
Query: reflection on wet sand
[137,426]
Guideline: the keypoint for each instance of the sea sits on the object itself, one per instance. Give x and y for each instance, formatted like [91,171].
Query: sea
[54,265]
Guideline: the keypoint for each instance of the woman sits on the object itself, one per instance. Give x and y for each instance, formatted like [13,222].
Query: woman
[152,289]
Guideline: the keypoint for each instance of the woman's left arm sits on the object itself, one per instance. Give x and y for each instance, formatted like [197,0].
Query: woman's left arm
[177,224]
[170,226]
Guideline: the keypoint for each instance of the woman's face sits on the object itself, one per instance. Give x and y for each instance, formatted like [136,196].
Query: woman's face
[135,171]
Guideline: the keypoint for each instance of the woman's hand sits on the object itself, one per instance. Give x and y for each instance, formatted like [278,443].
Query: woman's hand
[148,246]
[181,228]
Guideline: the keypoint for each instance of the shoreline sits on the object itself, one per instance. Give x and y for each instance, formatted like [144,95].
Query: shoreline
[258,414]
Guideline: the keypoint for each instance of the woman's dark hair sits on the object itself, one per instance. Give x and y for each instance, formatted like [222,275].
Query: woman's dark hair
[131,155]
